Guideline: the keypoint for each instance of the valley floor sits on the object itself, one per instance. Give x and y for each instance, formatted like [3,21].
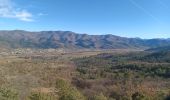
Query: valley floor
[27,74]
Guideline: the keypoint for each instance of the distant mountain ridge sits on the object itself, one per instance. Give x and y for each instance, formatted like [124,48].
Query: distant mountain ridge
[158,49]
[68,39]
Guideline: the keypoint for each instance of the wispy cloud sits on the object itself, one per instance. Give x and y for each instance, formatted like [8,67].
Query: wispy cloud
[8,10]
[42,14]
[163,4]
[144,10]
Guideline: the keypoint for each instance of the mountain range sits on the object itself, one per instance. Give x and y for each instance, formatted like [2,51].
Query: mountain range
[68,39]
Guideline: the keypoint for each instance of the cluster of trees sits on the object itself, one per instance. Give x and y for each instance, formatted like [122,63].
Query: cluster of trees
[65,90]
[123,77]
[131,76]
[162,56]
[103,64]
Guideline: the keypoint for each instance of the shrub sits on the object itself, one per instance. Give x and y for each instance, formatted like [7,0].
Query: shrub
[139,96]
[66,91]
[7,94]
[99,97]
[42,96]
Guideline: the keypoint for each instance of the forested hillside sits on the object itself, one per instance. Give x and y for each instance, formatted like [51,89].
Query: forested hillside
[70,40]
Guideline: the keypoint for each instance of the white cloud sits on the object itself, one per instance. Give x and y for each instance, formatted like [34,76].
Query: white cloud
[41,14]
[7,10]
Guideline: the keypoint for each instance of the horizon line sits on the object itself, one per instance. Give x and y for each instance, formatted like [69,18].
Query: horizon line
[80,33]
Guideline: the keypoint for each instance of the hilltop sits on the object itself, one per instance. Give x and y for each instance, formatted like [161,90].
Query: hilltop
[68,39]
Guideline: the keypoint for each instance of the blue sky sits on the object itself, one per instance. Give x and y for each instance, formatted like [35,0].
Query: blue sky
[129,18]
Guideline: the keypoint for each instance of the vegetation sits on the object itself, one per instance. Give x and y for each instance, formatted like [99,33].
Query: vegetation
[42,96]
[67,92]
[128,76]
[85,76]
[68,39]
[7,94]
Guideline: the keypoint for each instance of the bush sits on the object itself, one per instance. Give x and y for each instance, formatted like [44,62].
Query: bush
[66,91]
[139,96]
[99,97]
[7,94]
[41,96]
